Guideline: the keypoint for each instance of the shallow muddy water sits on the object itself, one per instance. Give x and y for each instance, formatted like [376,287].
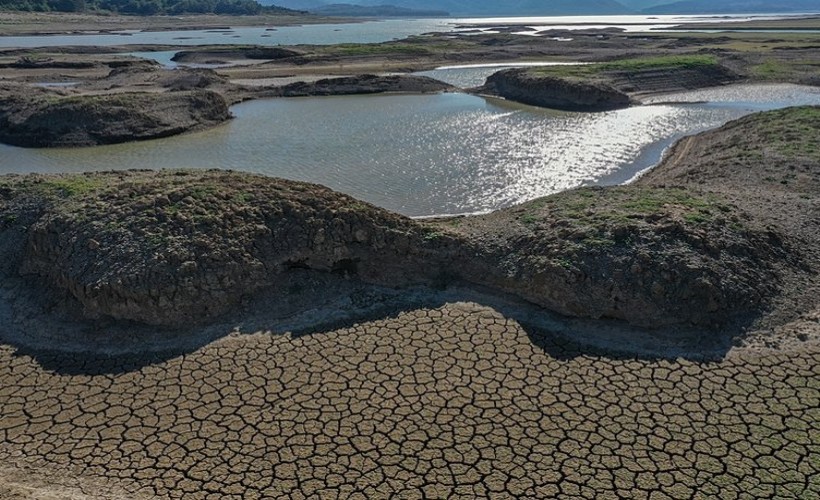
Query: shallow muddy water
[429,154]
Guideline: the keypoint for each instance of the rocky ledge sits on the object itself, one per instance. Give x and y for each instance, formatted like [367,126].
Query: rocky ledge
[172,248]
[31,117]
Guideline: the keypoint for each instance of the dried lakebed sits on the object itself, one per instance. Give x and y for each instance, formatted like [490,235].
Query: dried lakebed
[462,398]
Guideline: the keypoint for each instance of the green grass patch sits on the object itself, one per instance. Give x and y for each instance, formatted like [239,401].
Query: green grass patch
[201,192]
[243,197]
[358,207]
[376,49]
[790,132]
[770,69]
[602,217]
[660,62]
[630,65]
[653,202]
[71,187]
[432,236]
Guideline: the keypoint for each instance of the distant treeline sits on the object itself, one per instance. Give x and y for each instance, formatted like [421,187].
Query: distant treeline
[145,7]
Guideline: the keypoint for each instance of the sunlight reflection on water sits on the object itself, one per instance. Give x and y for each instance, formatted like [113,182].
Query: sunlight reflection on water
[426,154]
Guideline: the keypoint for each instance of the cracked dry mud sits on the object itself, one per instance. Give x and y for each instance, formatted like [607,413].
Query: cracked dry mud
[450,401]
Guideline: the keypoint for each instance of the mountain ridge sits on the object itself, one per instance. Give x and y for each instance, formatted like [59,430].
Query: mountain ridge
[734,6]
[560,7]
[477,7]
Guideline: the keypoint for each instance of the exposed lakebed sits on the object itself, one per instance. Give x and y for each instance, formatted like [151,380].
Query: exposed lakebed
[429,154]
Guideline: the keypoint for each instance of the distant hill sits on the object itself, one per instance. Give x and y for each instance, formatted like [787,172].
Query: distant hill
[638,5]
[299,4]
[375,11]
[144,7]
[346,9]
[483,7]
[735,6]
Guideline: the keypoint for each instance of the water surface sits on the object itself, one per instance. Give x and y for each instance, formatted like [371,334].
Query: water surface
[314,34]
[428,154]
[362,32]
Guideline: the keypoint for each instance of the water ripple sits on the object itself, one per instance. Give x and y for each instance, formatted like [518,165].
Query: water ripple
[428,154]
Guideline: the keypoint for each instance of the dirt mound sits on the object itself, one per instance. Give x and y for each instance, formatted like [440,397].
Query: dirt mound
[50,119]
[174,248]
[151,75]
[183,247]
[770,152]
[768,164]
[652,257]
[29,62]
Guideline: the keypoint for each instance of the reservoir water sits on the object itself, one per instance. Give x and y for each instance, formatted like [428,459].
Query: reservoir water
[429,154]
[362,32]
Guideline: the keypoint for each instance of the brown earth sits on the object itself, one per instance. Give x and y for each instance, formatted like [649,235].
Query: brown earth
[457,395]
[456,401]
